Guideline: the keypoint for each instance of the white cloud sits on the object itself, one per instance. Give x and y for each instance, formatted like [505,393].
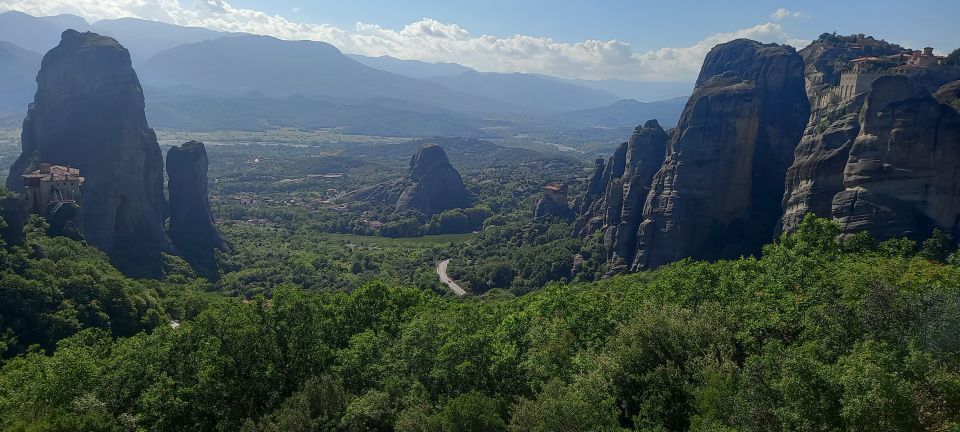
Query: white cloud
[782,13]
[427,39]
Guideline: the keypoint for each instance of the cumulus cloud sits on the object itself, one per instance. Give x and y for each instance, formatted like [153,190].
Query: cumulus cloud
[427,39]
[782,13]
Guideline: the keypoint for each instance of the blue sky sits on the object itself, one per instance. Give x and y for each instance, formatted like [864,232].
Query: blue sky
[644,24]
[637,40]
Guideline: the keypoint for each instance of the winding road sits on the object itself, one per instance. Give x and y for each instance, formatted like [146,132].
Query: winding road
[442,272]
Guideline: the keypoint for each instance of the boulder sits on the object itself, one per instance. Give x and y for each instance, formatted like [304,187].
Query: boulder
[191,223]
[88,113]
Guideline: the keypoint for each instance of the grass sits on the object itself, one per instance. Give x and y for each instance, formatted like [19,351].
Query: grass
[430,240]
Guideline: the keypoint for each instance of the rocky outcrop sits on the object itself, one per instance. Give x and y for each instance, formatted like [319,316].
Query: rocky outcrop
[548,208]
[89,113]
[816,174]
[841,170]
[949,95]
[718,193]
[624,181]
[827,57]
[554,204]
[191,222]
[902,177]
[14,214]
[432,185]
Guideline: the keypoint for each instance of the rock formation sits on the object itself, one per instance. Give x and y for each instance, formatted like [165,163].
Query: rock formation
[718,193]
[902,172]
[816,174]
[880,160]
[191,222]
[89,113]
[13,211]
[770,135]
[618,190]
[828,56]
[949,94]
[432,185]
[554,204]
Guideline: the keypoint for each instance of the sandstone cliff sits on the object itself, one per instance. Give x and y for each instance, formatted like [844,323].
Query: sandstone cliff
[618,190]
[89,113]
[548,208]
[191,222]
[718,193]
[432,185]
[902,176]
[839,169]
[949,94]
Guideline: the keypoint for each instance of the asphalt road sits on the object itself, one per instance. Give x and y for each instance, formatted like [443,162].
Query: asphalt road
[442,272]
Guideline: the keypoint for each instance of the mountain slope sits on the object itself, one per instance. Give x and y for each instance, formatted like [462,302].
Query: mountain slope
[625,113]
[411,68]
[644,91]
[145,38]
[18,70]
[141,37]
[533,93]
[185,109]
[245,64]
[38,34]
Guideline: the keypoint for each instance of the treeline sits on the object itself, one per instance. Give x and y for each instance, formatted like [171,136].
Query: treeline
[815,335]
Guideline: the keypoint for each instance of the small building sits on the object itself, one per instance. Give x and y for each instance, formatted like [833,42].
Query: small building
[556,193]
[924,59]
[855,82]
[52,184]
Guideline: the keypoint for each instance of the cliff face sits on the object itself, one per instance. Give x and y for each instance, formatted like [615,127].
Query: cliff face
[902,176]
[949,95]
[816,174]
[89,113]
[828,56]
[432,185]
[718,193]
[618,190]
[867,161]
[191,222]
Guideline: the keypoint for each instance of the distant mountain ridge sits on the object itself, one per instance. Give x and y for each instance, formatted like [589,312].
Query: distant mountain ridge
[411,68]
[141,37]
[18,68]
[534,94]
[200,79]
[288,68]
[625,113]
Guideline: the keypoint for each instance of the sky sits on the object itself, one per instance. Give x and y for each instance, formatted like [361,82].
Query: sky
[640,40]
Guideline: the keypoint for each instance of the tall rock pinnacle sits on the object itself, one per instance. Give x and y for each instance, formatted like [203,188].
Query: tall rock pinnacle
[88,113]
[433,185]
[191,222]
[718,193]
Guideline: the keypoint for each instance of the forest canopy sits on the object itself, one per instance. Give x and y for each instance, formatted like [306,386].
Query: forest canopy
[817,334]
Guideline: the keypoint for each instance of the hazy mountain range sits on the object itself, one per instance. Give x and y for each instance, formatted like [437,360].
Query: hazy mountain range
[199,79]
